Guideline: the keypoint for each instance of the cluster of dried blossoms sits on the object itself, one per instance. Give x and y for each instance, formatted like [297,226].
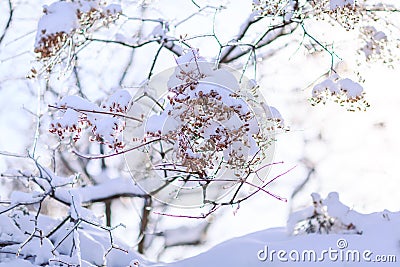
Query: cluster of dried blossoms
[198,145]
[271,8]
[64,25]
[346,12]
[76,114]
[211,124]
[343,91]
[377,47]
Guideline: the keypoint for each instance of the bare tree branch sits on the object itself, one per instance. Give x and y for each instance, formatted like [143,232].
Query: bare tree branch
[11,13]
[243,30]
[266,38]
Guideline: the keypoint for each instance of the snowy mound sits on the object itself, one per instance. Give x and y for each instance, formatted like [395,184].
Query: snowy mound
[328,233]
[333,235]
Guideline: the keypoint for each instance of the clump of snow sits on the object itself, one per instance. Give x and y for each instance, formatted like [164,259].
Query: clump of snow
[160,30]
[9,232]
[377,46]
[189,63]
[351,88]
[16,263]
[120,101]
[334,4]
[345,91]
[274,117]
[106,122]
[18,197]
[64,22]
[60,17]
[76,102]
[41,249]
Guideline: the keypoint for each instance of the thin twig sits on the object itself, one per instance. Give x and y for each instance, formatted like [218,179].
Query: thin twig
[154,61]
[11,154]
[202,216]
[8,21]
[37,128]
[116,153]
[194,3]
[96,112]
[331,53]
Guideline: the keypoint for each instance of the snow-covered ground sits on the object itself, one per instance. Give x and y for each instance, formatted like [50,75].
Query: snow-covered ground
[327,233]
[355,239]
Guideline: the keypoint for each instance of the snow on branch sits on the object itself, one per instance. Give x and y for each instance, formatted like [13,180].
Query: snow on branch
[60,188]
[343,91]
[216,131]
[80,239]
[106,122]
[111,189]
[64,25]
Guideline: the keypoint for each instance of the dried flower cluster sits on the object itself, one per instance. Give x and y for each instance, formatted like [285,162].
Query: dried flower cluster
[61,127]
[209,122]
[271,8]
[377,46]
[198,145]
[343,91]
[64,25]
[346,12]
[76,114]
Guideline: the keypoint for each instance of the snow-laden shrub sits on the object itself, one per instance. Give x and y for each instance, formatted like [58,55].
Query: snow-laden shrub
[64,26]
[346,92]
[211,120]
[206,133]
